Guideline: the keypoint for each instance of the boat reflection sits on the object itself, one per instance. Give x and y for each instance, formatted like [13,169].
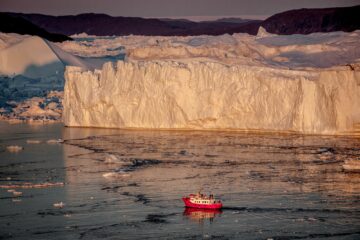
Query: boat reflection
[200,215]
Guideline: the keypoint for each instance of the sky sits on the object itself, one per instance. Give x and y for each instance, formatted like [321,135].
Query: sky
[190,9]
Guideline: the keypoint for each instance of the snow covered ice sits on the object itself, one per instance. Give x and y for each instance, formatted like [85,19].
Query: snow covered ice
[30,69]
[34,57]
[302,83]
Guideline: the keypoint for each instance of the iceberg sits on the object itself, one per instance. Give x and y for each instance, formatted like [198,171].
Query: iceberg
[300,83]
[210,95]
[31,66]
[35,58]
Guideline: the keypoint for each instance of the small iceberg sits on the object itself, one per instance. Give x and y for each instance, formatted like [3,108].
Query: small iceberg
[115,175]
[351,165]
[111,158]
[59,205]
[33,141]
[14,148]
[17,194]
[55,141]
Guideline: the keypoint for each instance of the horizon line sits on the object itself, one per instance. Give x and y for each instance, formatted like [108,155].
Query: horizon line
[199,18]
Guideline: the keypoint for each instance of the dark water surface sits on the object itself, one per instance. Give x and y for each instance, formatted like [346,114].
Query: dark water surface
[122,184]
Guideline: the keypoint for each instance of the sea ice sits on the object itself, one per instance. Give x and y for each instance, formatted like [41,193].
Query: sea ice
[29,141]
[14,148]
[59,205]
[54,141]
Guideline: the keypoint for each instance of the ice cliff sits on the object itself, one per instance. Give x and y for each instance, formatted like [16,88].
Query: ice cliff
[209,95]
[304,89]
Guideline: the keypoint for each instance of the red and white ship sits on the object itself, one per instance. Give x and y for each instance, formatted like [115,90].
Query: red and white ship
[202,201]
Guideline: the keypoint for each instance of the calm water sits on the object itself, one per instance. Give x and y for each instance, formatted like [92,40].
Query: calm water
[272,186]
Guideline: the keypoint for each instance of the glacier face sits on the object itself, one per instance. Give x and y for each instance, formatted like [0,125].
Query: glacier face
[303,83]
[207,94]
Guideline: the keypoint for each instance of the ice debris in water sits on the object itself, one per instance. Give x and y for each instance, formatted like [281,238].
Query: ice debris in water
[17,194]
[33,141]
[111,158]
[59,205]
[54,141]
[32,185]
[33,110]
[115,175]
[14,148]
[351,165]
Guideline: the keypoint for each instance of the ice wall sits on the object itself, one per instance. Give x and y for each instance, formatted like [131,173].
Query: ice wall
[196,94]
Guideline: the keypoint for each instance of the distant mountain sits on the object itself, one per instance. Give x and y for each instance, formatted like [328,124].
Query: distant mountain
[174,19]
[301,21]
[14,24]
[305,21]
[102,24]
[234,20]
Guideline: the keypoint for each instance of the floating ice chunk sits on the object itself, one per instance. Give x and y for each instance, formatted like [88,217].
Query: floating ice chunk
[17,194]
[109,175]
[115,175]
[52,105]
[351,165]
[59,205]
[31,185]
[33,110]
[54,141]
[111,158]
[33,141]
[14,148]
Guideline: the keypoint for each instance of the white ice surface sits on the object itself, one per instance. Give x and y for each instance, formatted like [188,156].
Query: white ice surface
[302,83]
[317,50]
[35,58]
[305,83]
[237,82]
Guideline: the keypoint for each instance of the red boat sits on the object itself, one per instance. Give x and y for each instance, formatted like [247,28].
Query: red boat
[202,201]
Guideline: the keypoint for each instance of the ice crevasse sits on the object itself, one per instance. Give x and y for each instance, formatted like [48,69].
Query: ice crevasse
[196,94]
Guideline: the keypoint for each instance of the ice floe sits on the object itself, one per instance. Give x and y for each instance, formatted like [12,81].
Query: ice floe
[14,148]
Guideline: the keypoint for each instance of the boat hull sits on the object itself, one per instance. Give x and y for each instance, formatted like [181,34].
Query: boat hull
[202,206]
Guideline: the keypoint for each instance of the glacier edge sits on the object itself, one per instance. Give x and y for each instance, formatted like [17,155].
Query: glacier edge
[196,94]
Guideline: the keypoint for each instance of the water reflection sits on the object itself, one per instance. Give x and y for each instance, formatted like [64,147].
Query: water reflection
[226,161]
[201,215]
